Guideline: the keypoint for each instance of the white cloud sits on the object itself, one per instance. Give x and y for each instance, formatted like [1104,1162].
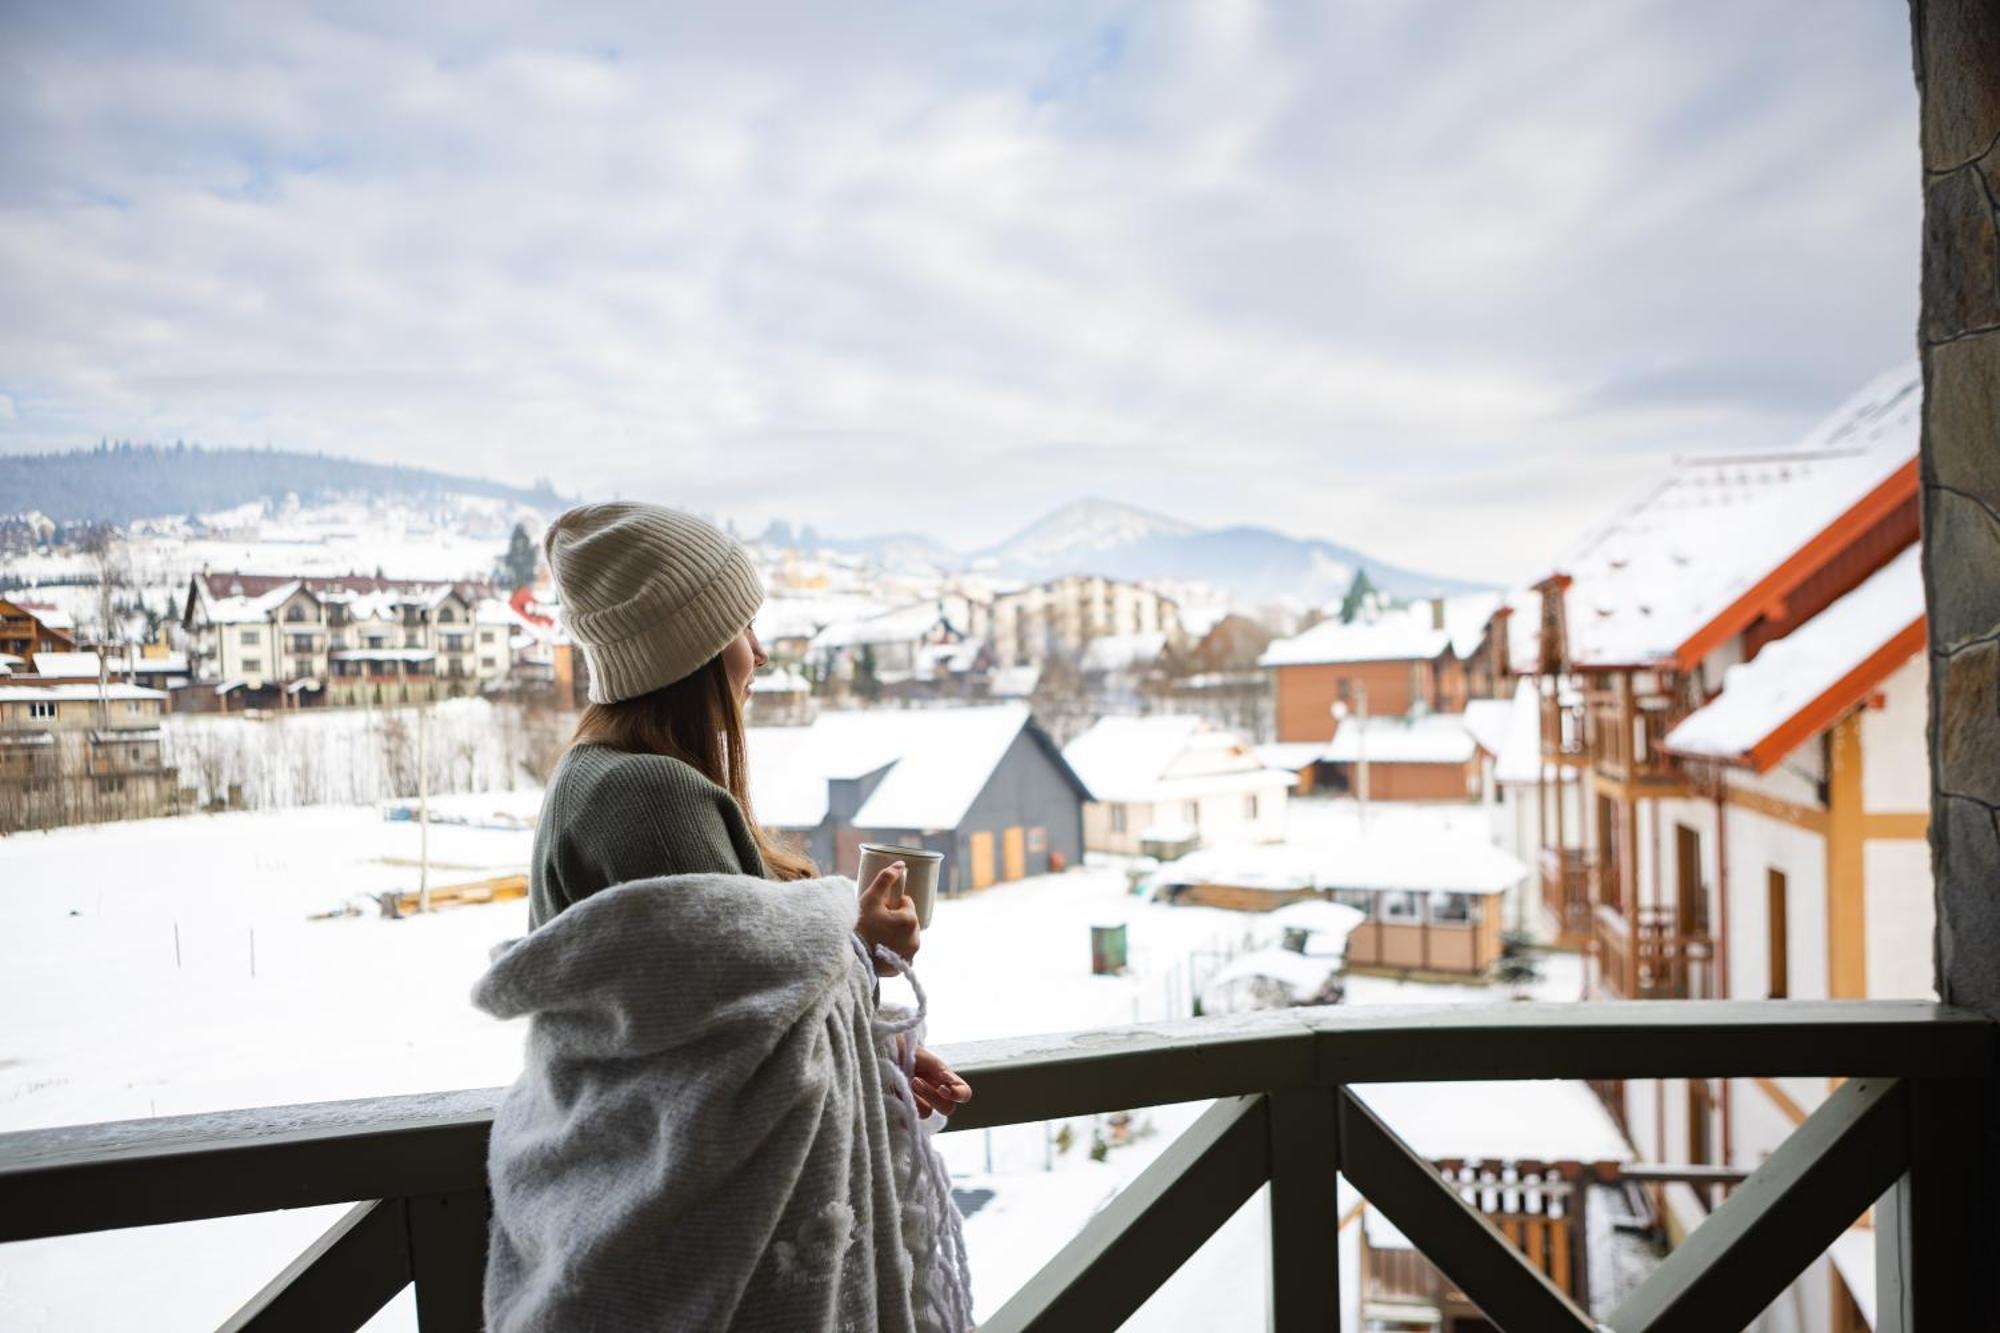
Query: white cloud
[1425,279]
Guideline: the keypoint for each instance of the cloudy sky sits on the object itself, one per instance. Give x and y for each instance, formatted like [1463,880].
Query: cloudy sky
[1443,281]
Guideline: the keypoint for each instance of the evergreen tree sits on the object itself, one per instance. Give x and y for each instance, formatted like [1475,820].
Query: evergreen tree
[517,567]
[1358,593]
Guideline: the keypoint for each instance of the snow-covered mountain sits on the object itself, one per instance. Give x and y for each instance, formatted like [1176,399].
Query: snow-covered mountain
[1253,566]
[1081,528]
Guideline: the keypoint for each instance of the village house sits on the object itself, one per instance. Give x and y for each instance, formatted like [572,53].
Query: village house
[80,752]
[1384,663]
[1430,902]
[1058,618]
[1143,772]
[985,786]
[886,651]
[1735,668]
[27,628]
[1422,757]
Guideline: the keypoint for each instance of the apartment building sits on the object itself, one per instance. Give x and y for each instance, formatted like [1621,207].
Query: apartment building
[1733,672]
[348,639]
[1059,617]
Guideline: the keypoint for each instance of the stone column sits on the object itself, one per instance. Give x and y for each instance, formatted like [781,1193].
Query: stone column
[1958,74]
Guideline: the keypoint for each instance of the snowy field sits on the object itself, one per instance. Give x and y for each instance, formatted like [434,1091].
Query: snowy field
[173,966]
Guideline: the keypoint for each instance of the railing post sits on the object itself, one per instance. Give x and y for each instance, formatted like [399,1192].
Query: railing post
[1305,1209]
[448,1259]
[1933,1268]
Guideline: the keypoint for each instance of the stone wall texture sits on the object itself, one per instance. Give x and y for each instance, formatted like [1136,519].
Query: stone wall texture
[1957,46]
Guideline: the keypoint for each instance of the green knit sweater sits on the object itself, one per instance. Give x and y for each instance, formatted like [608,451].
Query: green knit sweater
[610,816]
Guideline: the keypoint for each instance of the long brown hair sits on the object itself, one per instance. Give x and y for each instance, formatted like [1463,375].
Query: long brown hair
[699,721]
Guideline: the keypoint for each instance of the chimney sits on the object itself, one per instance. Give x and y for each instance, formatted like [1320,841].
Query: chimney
[1437,613]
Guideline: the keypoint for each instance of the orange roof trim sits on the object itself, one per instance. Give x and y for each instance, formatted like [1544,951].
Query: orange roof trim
[1772,589]
[1849,691]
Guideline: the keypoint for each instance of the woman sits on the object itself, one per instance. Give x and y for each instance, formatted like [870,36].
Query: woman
[707,1132]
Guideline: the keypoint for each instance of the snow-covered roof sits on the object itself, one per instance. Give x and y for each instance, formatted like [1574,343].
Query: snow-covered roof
[250,610]
[905,624]
[1291,755]
[946,762]
[1660,572]
[1123,652]
[1407,633]
[1015,682]
[1836,657]
[1331,921]
[67,664]
[939,760]
[1520,755]
[51,617]
[15,694]
[1535,1120]
[493,611]
[164,664]
[1373,861]
[1432,738]
[1165,756]
[1486,723]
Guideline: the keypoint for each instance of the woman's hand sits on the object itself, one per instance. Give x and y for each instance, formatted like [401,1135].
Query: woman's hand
[888,917]
[937,1089]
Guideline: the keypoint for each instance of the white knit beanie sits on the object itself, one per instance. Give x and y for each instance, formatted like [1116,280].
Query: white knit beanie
[651,593]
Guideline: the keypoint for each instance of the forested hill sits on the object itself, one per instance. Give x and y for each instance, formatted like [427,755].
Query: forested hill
[117,483]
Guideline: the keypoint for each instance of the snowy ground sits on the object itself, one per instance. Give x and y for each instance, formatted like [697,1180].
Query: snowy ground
[101,1019]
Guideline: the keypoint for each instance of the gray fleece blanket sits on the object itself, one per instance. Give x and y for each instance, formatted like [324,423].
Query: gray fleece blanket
[714,1127]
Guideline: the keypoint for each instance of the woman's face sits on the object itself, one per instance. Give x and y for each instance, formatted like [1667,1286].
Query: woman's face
[741,659]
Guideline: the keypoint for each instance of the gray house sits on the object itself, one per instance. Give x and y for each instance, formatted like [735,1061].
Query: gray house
[985,786]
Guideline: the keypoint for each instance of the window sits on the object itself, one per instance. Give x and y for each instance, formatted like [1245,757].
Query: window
[1038,840]
[253,664]
[1451,907]
[1399,906]
[1776,933]
[295,613]
[41,708]
[377,641]
[486,664]
[1191,812]
[248,636]
[1250,807]
[486,636]
[1117,818]
[302,667]
[445,616]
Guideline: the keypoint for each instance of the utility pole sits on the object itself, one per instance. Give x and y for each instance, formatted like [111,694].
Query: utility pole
[1361,746]
[423,809]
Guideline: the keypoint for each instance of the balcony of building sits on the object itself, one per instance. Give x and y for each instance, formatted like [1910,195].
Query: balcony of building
[1896,1136]
[1651,954]
[1624,729]
[1569,888]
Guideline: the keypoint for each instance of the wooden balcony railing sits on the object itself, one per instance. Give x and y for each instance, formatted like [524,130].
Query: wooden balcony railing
[1667,963]
[1568,875]
[1911,1120]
